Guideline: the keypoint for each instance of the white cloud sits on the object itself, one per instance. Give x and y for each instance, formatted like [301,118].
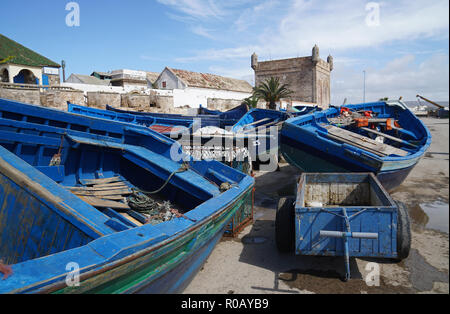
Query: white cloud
[243,72]
[338,26]
[199,9]
[251,16]
[214,54]
[201,31]
[400,77]
[278,29]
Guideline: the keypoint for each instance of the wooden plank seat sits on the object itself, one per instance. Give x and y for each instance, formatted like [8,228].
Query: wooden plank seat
[363,142]
[100,181]
[103,187]
[102,203]
[126,191]
[104,193]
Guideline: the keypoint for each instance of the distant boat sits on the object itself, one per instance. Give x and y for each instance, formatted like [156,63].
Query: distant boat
[302,110]
[65,224]
[260,128]
[208,118]
[257,131]
[164,125]
[420,111]
[385,138]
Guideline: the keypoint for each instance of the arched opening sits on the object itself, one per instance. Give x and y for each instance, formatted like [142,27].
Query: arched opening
[4,76]
[26,77]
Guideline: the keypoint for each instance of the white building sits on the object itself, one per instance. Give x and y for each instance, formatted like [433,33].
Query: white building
[21,65]
[193,89]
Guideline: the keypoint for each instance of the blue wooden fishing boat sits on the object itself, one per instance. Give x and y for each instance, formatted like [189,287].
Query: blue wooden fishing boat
[210,118]
[260,128]
[302,110]
[385,138]
[233,114]
[71,193]
[167,126]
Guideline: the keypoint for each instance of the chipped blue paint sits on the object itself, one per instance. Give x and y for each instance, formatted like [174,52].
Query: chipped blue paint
[379,217]
[304,144]
[43,226]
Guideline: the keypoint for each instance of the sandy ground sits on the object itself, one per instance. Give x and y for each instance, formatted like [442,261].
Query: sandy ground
[251,264]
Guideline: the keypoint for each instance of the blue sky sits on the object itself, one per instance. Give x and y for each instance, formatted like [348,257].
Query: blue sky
[404,54]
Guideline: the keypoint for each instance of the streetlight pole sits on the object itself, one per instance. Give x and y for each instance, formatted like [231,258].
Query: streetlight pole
[364,97]
[63,65]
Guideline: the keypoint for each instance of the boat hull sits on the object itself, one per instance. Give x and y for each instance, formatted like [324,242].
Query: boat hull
[310,159]
[51,233]
[306,144]
[167,268]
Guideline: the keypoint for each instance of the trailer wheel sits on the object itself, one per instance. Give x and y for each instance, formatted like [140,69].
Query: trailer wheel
[284,225]
[403,232]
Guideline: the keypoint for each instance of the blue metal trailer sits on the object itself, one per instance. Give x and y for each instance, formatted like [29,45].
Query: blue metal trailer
[337,214]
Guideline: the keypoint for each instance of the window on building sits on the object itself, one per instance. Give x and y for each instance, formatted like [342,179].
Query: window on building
[164,84]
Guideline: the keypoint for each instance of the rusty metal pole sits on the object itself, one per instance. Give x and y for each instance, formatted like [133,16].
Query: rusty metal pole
[63,65]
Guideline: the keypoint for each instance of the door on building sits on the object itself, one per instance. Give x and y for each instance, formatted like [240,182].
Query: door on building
[45,80]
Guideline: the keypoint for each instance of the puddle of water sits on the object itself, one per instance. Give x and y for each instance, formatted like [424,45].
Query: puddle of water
[432,216]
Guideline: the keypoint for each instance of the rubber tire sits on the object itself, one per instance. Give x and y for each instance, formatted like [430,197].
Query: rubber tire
[403,232]
[285,225]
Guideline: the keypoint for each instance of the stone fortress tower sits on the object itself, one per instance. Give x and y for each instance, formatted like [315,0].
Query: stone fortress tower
[307,77]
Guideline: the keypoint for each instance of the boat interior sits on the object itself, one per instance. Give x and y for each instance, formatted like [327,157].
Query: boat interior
[259,119]
[402,136]
[87,170]
[161,125]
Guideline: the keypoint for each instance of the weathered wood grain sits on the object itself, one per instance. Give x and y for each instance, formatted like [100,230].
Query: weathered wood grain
[100,181]
[364,142]
[101,203]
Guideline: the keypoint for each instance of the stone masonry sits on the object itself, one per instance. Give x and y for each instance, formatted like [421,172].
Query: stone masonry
[29,96]
[57,97]
[101,99]
[223,104]
[307,77]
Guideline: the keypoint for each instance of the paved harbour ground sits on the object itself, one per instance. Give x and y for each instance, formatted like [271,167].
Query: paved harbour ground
[251,263]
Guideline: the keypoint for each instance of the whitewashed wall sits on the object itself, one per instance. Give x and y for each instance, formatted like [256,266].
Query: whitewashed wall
[194,97]
[13,70]
[102,88]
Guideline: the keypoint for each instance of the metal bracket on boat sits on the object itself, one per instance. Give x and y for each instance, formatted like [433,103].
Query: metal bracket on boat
[56,159]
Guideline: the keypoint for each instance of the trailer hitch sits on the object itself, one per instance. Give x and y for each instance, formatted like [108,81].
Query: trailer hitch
[345,236]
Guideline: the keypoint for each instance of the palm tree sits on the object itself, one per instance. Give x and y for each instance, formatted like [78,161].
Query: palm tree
[272,91]
[251,101]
